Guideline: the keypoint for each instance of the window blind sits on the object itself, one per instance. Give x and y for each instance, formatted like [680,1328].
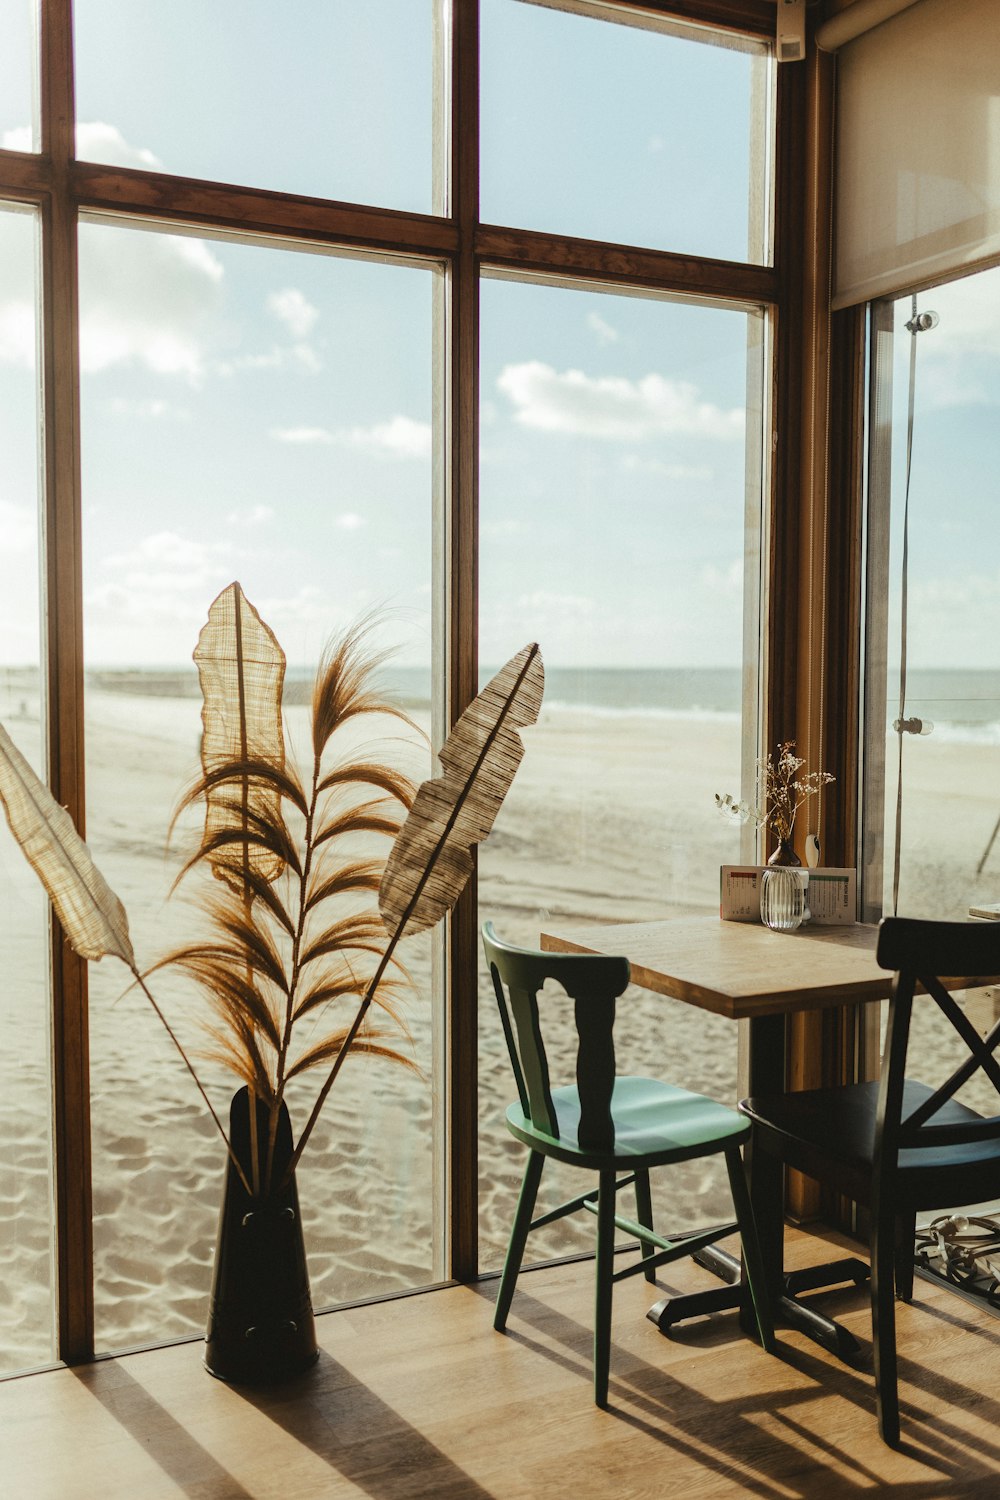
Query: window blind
[918,149]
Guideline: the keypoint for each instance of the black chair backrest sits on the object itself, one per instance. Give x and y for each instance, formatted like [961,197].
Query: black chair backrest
[936,957]
[594,983]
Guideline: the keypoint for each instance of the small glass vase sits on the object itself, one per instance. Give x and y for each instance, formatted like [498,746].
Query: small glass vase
[783,891]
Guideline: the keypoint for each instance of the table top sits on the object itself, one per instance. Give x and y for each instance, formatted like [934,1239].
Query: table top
[739,969]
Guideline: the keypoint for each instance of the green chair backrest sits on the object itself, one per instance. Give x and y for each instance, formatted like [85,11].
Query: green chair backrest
[594,983]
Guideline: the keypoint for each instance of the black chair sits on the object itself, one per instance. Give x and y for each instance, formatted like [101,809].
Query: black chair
[608,1125]
[897,1145]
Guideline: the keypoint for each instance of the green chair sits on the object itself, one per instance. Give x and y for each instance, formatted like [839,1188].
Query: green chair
[608,1125]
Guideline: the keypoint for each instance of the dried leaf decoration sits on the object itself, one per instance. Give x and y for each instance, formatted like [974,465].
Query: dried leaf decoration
[241,668]
[295,936]
[431,859]
[91,914]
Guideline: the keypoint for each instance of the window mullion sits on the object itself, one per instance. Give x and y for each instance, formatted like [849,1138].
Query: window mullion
[64,684]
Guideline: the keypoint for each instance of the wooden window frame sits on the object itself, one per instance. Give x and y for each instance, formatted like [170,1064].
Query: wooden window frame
[62,189]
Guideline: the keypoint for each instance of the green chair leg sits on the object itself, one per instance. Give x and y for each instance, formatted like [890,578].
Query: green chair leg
[604,1271]
[518,1237]
[753,1261]
[644,1215]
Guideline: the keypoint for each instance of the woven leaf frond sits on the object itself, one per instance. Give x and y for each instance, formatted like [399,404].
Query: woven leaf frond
[91,914]
[431,861]
[241,668]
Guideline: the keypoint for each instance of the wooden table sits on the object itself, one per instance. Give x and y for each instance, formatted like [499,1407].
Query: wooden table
[744,971]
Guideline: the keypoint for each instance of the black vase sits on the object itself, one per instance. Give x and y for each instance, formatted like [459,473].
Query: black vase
[260,1322]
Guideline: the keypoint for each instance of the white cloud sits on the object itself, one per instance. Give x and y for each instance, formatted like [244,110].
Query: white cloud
[277,358]
[350,521]
[17,139]
[146,298]
[400,437]
[256,515]
[96,141]
[161,568]
[292,308]
[611,406]
[725,578]
[655,144]
[606,334]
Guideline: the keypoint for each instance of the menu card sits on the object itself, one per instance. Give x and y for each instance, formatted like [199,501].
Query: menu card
[831,894]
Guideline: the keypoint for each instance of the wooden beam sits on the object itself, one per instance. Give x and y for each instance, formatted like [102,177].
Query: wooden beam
[188,200]
[534,252]
[463,645]
[64,681]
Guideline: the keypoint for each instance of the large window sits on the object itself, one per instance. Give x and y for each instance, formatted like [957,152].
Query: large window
[306,321]
[252,414]
[333,100]
[616,460]
[950,796]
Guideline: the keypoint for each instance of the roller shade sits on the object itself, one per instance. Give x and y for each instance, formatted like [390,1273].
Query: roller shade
[918,149]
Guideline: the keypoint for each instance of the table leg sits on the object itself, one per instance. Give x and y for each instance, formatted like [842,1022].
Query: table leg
[766,1179]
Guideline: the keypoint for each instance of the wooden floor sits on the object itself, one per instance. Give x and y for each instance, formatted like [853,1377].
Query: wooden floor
[419,1397]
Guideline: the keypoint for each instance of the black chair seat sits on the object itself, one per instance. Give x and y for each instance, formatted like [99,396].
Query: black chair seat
[830,1134]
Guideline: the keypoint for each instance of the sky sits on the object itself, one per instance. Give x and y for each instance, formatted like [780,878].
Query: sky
[269,414]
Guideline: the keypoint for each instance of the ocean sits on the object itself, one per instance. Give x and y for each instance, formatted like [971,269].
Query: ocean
[962,703]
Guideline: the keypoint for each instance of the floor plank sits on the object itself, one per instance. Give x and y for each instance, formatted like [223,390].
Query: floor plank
[419,1397]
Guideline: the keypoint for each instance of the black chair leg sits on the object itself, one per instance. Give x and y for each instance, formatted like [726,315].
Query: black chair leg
[644,1216]
[753,1260]
[518,1237]
[883,1251]
[906,1233]
[604,1271]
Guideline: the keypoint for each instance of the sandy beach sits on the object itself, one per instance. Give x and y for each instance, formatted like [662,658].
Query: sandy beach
[611,818]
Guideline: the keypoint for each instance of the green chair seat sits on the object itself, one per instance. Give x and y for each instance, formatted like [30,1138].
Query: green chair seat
[654,1123]
[609,1125]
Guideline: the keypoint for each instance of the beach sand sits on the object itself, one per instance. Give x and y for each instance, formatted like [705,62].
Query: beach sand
[610,818]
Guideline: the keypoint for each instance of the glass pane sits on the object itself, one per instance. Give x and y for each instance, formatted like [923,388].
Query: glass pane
[949,838]
[614,482]
[255,414]
[18,75]
[950,796]
[332,100]
[27,1334]
[641,136]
